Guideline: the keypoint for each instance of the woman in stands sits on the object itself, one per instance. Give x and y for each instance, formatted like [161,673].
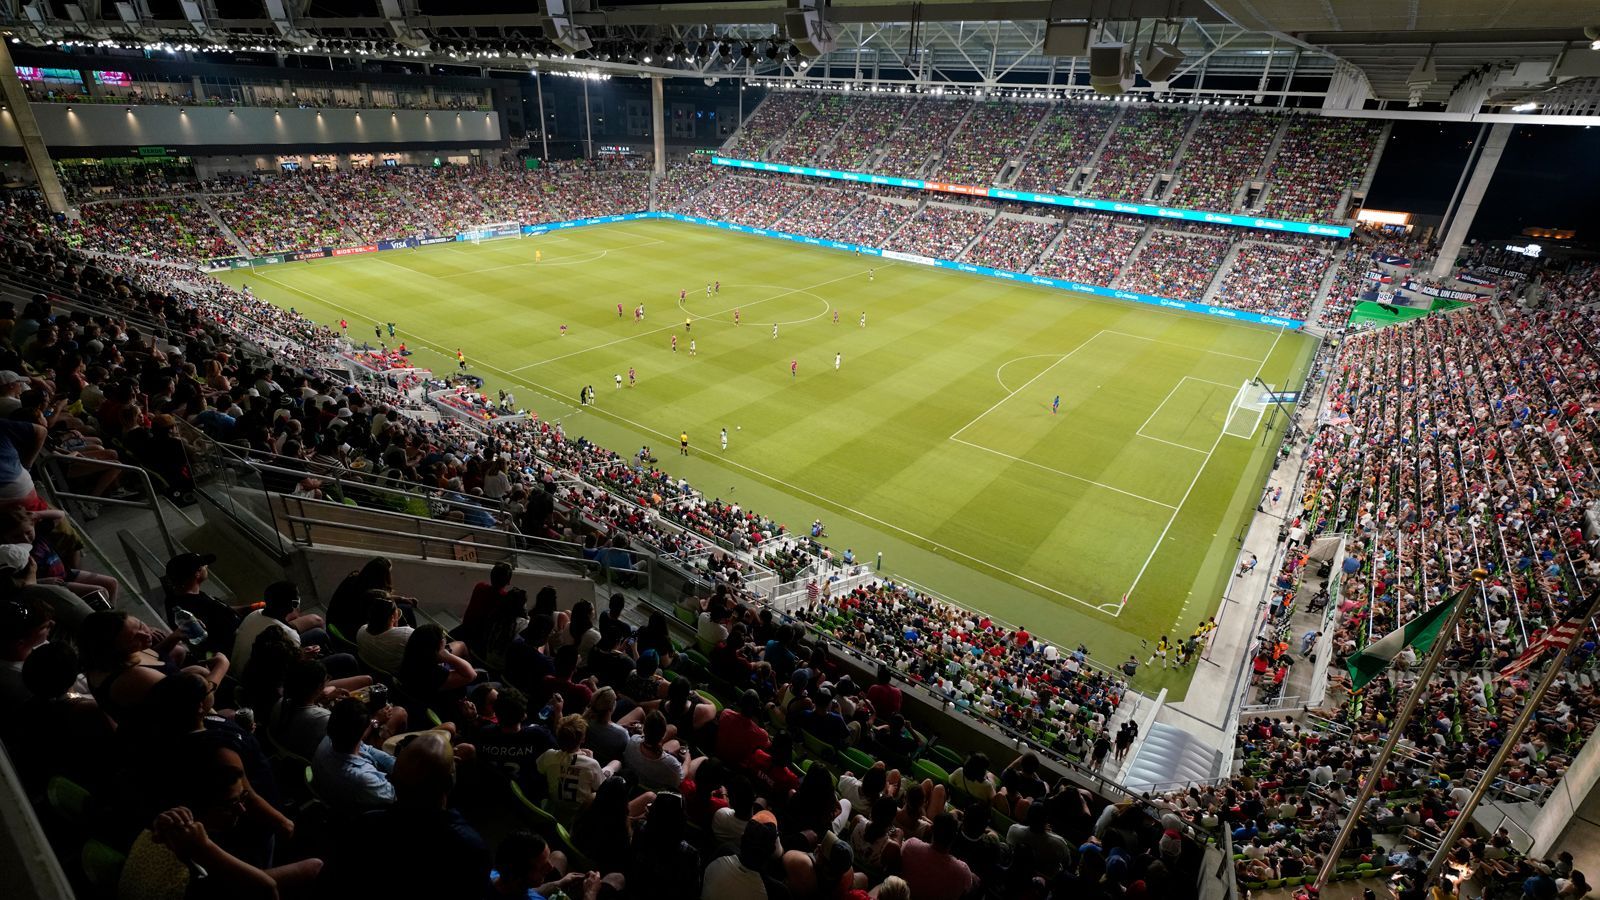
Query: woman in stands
[123,659]
[663,859]
[432,672]
[604,832]
[348,608]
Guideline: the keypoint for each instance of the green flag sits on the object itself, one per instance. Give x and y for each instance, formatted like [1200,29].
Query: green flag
[1420,633]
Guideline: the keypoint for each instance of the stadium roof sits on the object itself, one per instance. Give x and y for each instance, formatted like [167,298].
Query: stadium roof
[1466,54]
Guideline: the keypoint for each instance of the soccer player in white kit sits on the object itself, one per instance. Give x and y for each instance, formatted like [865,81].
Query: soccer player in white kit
[724,438]
[837,358]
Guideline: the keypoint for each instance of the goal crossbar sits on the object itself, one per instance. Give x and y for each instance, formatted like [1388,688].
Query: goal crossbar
[1249,404]
[477,234]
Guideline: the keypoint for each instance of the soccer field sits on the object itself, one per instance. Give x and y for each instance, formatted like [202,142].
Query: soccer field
[933,441]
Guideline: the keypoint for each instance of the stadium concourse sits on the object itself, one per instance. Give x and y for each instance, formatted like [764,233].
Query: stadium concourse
[866,739]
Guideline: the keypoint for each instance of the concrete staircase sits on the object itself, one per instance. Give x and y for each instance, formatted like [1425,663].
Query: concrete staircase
[1315,313]
[1050,248]
[1222,272]
[987,226]
[1133,254]
[1093,162]
[1177,156]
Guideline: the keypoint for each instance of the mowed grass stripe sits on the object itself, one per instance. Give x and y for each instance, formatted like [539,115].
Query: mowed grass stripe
[866,447]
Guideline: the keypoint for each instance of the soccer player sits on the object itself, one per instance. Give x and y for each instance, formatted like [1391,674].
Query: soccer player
[343,326]
[619,310]
[719,287]
[563,329]
[1162,646]
[683,294]
[461,360]
[391,329]
[870,273]
[538,256]
[619,381]
[863,320]
[794,367]
[377,331]
[836,317]
[691,347]
[632,377]
[736,317]
[837,358]
[708,289]
[724,438]
[638,314]
[774,330]
[687,321]
[683,443]
[1055,405]
[674,343]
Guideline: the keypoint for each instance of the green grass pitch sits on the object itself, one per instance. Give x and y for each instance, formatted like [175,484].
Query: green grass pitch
[932,442]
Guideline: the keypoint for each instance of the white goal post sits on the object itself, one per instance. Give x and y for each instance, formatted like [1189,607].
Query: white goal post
[488,231]
[1244,413]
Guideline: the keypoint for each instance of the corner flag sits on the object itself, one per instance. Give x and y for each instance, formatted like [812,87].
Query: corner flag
[1419,633]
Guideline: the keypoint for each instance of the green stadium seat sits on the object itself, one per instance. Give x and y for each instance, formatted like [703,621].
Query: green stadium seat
[923,768]
[68,800]
[102,865]
[855,760]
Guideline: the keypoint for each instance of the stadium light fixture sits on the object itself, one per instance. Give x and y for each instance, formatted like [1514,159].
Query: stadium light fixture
[1529,106]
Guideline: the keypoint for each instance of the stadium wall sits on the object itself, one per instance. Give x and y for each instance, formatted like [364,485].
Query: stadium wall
[249,129]
[969,268]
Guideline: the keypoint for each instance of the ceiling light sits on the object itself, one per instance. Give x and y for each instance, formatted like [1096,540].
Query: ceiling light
[1529,106]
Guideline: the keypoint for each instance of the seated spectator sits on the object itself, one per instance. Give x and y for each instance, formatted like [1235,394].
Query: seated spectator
[929,867]
[739,733]
[604,831]
[746,874]
[512,744]
[606,739]
[486,596]
[571,773]
[350,774]
[526,868]
[654,762]
[432,670]
[662,856]
[381,642]
[281,611]
[350,606]
[186,572]
[123,660]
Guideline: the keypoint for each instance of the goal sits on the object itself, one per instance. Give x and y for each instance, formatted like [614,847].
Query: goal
[488,231]
[1244,413]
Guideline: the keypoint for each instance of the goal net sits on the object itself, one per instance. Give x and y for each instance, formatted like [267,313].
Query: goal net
[1244,413]
[488,231]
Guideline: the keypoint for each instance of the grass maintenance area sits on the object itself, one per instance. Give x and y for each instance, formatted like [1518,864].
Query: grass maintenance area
[932,440]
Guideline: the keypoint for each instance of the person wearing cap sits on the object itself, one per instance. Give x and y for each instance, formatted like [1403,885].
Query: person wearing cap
[19,529]
[281,610]
[11,387]
[186,572]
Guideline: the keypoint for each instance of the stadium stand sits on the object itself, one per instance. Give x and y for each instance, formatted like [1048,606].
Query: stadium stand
[1225,153]
[1142,146]
[941,232]
[770,122]
[1266,278]
[1014,244]
[995,132]
[869,122]
[1318,160]
[809,137]
[1065,143]
[279,214]
[1174,264]
[925,131]
[1093,249]
[177,229]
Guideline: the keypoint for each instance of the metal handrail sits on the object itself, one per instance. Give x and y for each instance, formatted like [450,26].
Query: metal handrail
[423,540]
[150,499]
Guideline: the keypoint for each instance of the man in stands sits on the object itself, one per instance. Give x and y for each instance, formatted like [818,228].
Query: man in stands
[186,572]
[931,869]
[486,597]
[381,643]
[281,610]
[349,774]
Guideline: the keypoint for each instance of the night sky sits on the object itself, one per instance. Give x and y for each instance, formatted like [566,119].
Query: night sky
[1548,176]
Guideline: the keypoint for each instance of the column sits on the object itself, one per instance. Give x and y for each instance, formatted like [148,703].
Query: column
[91,86]
[199,90]
[1482,173]
[44,170]
[366,94]
[658,124]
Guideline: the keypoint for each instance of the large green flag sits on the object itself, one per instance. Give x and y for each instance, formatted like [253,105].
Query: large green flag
[1419,633]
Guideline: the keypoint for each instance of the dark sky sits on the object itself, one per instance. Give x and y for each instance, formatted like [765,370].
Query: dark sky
[1549,175]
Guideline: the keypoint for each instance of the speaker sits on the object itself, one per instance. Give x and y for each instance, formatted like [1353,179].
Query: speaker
[570,38]
[1066,38]
[812,34]
[1110,67]
[1159,62]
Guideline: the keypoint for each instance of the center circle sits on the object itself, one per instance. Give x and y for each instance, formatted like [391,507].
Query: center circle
[719,306]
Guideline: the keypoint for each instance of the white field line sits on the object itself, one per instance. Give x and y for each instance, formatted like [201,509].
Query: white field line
[1262,364]
[1029,462]
[1042,372]
[1184,346]
[1150,437]
[1002,367]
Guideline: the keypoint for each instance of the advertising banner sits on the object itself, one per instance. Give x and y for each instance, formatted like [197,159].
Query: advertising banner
[352,251]
[1133,209]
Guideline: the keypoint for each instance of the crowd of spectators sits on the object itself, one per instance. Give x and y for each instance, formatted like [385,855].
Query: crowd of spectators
[822,212]
[368,204]
[1272,279]
[1317,161]
[158,94]
[941,232]
[874,222]
[774,118]
[1013,244]
[204,770]
[995,132]
[278,214]
[923,132]
[871,119]
[1065,143]
[808,138]
[1141,147]
[1175,264]
[1093,249]
[1225,154]
[179,230]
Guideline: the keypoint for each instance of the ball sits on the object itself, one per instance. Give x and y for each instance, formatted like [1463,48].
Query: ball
[738,428]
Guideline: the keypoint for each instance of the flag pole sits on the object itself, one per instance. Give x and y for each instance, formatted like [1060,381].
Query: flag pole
[1381,764]
[1508,743]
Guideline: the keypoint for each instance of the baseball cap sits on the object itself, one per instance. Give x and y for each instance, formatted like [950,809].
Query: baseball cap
[9,377]
[765,817]
[183,566]
[14,556]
